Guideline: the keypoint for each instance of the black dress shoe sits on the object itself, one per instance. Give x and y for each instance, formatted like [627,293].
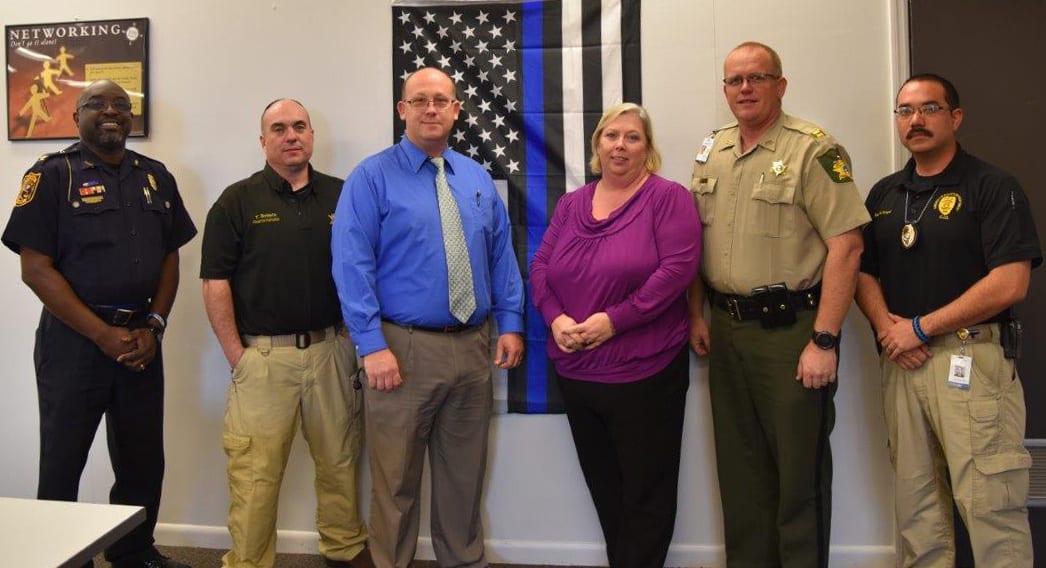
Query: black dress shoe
[152,560]
[163,562]
[331,563]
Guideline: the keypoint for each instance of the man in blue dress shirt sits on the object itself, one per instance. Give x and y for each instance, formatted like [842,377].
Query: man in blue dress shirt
[422,260]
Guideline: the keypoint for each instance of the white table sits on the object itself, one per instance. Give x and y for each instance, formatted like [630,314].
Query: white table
[52,534]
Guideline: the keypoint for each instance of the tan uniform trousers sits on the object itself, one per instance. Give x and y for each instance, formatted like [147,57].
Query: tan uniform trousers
[966,445]
[444,404]
[273,388]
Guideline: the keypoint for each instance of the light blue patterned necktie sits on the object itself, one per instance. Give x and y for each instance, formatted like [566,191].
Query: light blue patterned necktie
[459,267]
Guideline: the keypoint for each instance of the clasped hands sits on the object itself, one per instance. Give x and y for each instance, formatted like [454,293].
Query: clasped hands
[571,336]
[133,348]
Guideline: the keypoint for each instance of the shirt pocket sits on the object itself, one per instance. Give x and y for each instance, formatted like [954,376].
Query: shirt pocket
[773,208]
[97,223]
[703,191]
[482,206]
[155,201]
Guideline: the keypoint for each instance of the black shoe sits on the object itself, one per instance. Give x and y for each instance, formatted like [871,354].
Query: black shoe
[163,562]
[152,559]
[331,563]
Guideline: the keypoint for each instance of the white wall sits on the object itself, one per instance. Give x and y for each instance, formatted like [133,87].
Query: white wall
[214,66]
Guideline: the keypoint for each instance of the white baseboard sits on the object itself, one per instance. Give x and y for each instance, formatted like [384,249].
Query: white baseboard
[521,551]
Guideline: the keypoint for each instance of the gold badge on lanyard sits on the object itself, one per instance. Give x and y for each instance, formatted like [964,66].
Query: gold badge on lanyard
[910,231]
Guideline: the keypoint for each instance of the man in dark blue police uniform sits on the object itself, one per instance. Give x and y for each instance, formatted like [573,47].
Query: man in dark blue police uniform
[97,228]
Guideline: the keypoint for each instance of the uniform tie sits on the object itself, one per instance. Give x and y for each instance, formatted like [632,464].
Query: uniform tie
[459,267]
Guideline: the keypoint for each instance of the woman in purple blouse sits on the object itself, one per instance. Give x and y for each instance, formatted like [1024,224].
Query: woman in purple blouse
[610,279]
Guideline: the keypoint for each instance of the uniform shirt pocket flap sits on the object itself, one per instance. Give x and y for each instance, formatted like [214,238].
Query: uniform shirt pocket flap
[774,192]
[703,185]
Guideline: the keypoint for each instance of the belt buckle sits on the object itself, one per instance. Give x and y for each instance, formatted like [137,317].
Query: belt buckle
[733,308]
[967,333]
[122,316]
[302,340]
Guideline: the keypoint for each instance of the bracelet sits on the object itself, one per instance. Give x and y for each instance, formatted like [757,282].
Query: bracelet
[919,330]
[159,319]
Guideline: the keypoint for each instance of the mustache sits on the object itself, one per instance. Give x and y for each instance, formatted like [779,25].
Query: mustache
[917,130]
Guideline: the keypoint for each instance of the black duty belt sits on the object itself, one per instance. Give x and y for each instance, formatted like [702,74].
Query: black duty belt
[300,340]
[119,315]
[459,328]
[744,308]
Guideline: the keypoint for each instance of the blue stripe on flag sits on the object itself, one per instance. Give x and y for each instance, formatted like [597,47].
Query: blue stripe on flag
[533,82]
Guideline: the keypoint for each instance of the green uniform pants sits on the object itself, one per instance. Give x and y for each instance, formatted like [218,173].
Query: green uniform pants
[772,451]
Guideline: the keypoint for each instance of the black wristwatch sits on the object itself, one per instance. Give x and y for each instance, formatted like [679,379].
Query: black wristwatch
[825,340]
[157,332]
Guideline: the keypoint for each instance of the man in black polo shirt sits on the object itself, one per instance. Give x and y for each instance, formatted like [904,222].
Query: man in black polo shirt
[269,294]
[948,253]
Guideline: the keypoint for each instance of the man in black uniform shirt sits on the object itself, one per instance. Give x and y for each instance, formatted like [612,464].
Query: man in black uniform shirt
[97,228]
[948,253]
[270,296]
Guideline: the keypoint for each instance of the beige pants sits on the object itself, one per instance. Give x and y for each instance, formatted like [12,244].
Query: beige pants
[273,388]
[966,445]
[444,405]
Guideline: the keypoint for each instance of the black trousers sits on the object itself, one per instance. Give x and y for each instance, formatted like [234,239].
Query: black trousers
[628,439]
[76,385]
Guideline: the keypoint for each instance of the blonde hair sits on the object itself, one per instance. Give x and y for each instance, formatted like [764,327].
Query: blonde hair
[653,155]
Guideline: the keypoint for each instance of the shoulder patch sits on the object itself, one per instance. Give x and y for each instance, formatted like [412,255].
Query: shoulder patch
[28,190]
[835,166]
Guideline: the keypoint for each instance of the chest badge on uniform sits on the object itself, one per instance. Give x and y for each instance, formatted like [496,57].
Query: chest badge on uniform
[948,203]
[778,167]
[152,182]
[28,190]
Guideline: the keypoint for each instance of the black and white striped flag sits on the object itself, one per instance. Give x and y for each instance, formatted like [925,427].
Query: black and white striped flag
[533,78]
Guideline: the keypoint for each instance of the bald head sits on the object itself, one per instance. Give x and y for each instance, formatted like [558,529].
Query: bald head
[427,74]
[265,111]
[775,59]
[101,87]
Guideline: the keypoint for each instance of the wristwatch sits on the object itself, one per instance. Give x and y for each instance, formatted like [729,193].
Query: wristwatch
[825,340]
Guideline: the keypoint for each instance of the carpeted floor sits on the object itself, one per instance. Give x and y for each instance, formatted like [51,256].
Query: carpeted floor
[212,558]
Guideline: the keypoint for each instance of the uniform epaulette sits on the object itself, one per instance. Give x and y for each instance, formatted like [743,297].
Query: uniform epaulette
[46,157]
[808,128]
[142,160]
[724,127]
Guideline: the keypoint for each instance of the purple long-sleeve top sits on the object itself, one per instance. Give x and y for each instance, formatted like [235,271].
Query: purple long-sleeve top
[635,265]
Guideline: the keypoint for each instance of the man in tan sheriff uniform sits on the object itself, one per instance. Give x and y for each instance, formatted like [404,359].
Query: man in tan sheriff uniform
[782,246]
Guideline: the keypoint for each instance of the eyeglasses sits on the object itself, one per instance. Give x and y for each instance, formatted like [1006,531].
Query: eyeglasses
[929,109]
[754,79]
[423,104]
[99,105]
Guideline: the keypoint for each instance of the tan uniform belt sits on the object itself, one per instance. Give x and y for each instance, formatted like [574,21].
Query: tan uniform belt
[299,340]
